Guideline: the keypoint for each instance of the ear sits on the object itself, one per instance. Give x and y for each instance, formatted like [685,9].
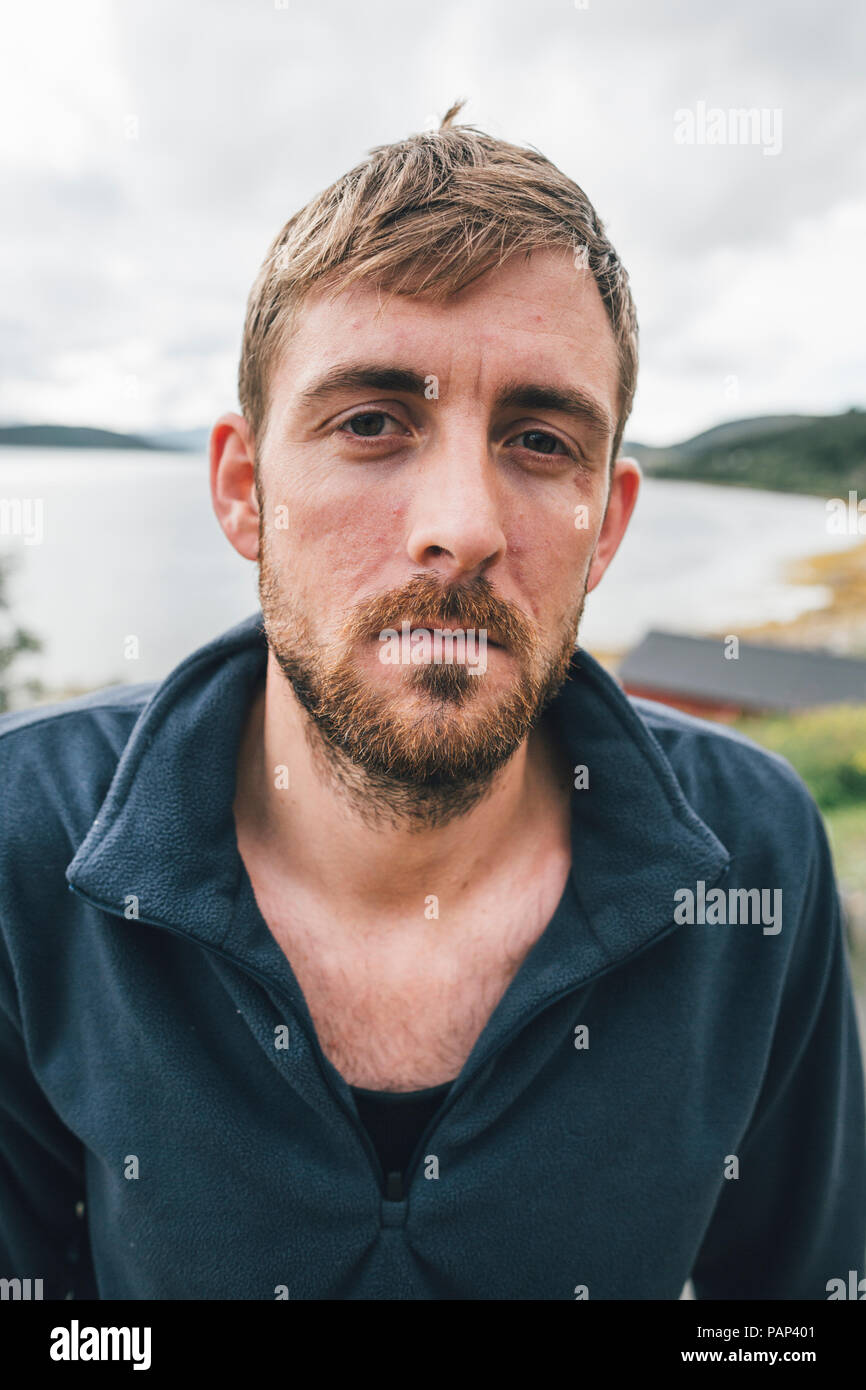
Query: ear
[232,483]
[624,488]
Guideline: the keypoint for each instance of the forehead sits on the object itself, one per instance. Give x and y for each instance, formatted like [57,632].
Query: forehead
[538,315]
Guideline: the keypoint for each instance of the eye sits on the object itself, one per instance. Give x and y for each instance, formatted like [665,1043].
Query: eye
[542,442]
[367,424]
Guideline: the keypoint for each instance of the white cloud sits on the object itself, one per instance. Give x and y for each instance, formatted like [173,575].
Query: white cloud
[130,247]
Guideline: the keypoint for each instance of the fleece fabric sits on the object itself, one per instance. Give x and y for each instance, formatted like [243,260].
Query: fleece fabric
[653,1098]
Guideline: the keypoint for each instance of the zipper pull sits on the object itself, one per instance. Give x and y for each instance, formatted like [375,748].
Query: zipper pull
[394,1187]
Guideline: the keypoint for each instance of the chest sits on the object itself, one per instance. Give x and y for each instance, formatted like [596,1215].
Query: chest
[404,1013]
[401,1030]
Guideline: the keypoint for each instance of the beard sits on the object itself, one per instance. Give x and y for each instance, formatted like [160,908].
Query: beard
[418,747]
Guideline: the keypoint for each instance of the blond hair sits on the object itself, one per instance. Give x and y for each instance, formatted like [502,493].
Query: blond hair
[426,216]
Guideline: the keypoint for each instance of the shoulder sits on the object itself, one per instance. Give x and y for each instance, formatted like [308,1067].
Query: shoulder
[101,717]
[738,787]
[92,706]
[56,761]
[763,812]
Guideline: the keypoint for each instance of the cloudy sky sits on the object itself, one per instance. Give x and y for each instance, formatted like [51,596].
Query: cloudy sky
[149,152]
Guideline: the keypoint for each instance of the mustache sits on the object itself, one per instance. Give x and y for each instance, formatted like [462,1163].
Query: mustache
[426,602]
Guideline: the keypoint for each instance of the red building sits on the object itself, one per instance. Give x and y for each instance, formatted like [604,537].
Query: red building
[716,678]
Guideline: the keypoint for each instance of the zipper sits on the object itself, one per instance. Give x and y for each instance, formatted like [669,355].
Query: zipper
[383,1181]
[427,1136]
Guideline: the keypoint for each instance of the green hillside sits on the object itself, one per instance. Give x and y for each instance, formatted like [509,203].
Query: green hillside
[71,437]
[825,455]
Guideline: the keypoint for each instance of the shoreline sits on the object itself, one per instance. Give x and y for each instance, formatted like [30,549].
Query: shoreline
[838,627]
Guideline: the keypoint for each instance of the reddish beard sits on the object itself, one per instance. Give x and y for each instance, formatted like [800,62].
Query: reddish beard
[452,736]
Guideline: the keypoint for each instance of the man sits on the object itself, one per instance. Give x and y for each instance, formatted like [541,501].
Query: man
[377,977]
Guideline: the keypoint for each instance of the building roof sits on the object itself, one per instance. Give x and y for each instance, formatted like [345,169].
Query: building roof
[759,677]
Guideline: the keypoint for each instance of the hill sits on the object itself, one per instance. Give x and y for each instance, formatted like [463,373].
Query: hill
[71,437]
[818,454]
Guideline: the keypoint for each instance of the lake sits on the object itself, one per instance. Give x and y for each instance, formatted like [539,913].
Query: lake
[130,546]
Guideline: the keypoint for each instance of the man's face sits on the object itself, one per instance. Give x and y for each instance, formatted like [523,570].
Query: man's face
[446,493]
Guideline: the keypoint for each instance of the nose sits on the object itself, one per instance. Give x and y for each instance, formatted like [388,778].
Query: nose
[455,525]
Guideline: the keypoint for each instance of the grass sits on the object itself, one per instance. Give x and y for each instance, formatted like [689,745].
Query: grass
[846,828]
[826,746]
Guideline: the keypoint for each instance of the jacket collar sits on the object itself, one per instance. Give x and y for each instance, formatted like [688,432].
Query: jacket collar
[165,833]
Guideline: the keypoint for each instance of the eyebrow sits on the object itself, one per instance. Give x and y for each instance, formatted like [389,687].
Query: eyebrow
[568,400]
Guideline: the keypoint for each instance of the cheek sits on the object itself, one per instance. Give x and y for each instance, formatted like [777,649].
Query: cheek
[550,549]
[336,544]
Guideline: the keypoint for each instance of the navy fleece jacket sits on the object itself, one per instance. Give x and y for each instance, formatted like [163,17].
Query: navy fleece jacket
[653,1098]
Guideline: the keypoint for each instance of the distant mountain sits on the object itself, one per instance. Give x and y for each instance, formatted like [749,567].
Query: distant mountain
[194,441]
[823,454]
[81,437]
[734,432]
[71,437]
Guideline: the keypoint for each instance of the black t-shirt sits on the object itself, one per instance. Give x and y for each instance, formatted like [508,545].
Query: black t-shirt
[395,1121]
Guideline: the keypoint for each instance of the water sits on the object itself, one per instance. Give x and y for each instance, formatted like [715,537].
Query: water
[131,547]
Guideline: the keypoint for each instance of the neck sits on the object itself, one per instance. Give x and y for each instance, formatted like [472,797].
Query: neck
[331,825]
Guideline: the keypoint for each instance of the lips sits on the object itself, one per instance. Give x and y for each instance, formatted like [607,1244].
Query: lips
[443,627]
[405,631]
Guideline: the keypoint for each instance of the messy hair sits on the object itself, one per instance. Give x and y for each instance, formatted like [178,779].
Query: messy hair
[427,216]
